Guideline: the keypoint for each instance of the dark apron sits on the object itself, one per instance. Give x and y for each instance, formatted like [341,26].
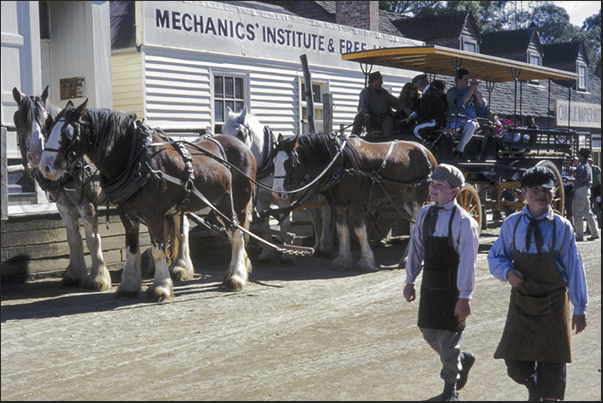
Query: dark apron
[439,293]
[537,327]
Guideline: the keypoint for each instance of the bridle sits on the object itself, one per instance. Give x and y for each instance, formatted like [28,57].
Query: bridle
[72,132]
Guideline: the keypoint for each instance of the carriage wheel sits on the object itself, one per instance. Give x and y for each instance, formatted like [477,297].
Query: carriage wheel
[559,198]
[468,198]
[378,225]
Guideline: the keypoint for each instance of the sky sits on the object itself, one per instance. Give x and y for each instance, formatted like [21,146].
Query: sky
[579,10]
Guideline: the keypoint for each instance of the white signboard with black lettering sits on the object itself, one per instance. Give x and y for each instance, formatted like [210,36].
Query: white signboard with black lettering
[580,114]
[223,28]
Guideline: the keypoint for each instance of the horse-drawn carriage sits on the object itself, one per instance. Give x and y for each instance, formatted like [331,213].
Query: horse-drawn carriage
[492,164]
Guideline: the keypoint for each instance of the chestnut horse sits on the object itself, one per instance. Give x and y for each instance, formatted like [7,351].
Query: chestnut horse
[33,120]
[351,172]
[138,167]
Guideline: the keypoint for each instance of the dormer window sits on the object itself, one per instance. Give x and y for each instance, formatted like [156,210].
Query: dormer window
[535,60]
[581,85]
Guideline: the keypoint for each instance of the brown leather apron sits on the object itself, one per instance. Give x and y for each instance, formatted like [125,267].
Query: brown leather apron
[537,327]
[439,292]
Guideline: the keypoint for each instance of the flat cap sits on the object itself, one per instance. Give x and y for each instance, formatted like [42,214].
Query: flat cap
[450,173]
[421,79]
[538,176]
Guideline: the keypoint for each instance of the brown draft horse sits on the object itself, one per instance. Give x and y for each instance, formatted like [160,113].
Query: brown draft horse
[131,159]
[403,169]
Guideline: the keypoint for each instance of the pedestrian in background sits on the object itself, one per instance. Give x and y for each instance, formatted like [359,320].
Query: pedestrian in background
[581,201]
[444,244]
[595,191]
[536,254]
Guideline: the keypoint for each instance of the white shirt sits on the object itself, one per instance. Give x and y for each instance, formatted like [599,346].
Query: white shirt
[465,240]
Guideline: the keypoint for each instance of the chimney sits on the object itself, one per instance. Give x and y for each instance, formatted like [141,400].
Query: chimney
[358,14]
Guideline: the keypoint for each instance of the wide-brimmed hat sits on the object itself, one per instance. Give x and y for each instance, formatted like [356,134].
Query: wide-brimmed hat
[375,76]
[450,173]
[538,176]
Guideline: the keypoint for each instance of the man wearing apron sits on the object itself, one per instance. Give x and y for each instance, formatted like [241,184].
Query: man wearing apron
[444,244]
[536,253]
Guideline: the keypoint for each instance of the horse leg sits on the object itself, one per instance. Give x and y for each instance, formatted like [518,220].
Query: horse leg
[367,258]
[132,277]
[286,259]
[321,220]
[264,198]
[163,287]
[344,259]
[181,267]
[238,271]
[76,271]
[99,278]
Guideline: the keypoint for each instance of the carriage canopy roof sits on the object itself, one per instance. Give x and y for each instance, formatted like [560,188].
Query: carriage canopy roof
[442,60]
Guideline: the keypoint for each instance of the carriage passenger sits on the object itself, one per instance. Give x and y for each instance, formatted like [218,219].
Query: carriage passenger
[410,104]
[444,244]
[375,105]
[433,111]
[463,99]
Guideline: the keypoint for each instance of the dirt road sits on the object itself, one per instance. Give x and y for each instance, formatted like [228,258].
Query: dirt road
[295,333]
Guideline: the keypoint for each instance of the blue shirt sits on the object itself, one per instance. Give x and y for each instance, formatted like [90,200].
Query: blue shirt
[566,254]
[454,96]
[583,175]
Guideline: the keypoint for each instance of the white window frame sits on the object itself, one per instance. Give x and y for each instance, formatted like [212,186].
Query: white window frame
[323,87]
[582,71]
[242,102]
[534,57]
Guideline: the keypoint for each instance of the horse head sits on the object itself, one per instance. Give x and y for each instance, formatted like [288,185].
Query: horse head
[247,128]
[64,145]
[285,165]
[33,120]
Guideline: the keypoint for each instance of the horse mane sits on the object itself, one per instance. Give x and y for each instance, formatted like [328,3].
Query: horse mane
[320,148]
[107,127]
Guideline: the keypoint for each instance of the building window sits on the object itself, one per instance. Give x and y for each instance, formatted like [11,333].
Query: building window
[317,90]
[470,47]
[581,77]
[229,92]
[534,60]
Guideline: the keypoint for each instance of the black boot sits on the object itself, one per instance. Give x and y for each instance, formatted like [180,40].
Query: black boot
[467,360]
[532,396]
[449,394]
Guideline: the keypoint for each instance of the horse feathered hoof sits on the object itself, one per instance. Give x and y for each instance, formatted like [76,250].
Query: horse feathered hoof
[159,294]
[365,266]
[232,284]
[181,274]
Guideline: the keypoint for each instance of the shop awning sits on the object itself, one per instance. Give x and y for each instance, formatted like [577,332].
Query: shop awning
[442,61]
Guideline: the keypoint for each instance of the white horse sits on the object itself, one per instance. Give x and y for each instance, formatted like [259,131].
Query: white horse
[260,140]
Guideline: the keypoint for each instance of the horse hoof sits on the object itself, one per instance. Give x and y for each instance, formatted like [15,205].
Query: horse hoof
[180,274]
[365,268]
[231,284]
[158,295]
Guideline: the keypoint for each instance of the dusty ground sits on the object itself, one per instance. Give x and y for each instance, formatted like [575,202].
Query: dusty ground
[295,333]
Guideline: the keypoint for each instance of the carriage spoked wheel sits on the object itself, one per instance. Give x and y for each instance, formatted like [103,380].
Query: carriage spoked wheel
[468,198]
[378,226]
[559,197]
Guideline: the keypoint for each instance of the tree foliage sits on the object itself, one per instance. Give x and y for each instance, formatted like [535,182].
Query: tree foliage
[552,21]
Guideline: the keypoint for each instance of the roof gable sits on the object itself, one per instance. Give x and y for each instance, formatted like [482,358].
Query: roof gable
[517,40]
[558,53]
[437,26]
